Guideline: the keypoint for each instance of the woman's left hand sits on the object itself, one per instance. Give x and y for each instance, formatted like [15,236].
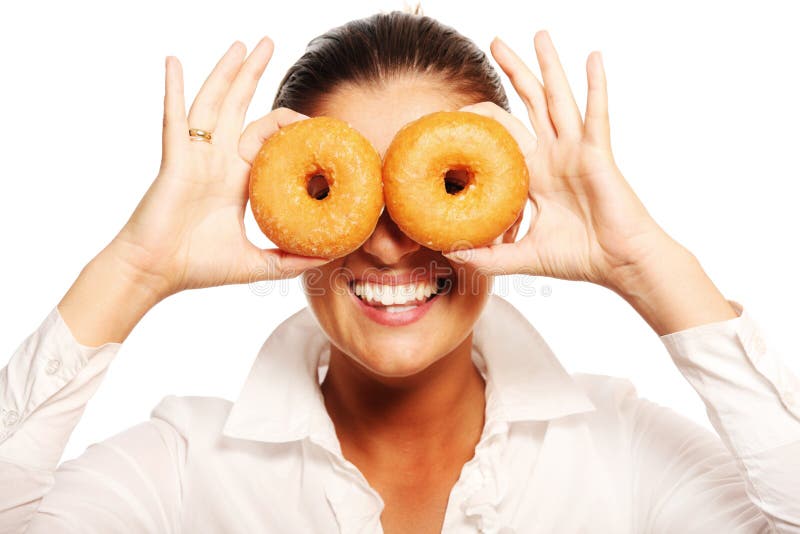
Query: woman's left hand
[586,222]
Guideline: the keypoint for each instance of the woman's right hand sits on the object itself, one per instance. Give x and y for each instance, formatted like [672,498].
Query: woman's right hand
[188,229]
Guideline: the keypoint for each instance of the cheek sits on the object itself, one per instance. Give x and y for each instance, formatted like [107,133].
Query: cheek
[471,286]
[329,298]
[324,289]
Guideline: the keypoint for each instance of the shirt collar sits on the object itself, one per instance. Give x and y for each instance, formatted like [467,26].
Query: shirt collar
[281,399]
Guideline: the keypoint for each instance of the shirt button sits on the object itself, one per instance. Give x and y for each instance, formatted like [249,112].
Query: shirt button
[52,366]
[10,418]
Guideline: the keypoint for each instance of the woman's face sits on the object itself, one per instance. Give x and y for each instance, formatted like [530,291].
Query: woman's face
[400,339]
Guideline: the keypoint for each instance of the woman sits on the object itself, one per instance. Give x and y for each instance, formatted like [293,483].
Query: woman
[452,416]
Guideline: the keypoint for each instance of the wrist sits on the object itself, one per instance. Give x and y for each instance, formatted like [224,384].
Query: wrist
[671,291]
[651,268]
[107,300]
[133,269]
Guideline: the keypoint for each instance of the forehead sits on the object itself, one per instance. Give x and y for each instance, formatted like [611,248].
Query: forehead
[379,110]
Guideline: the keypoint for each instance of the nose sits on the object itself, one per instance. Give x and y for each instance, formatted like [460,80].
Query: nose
[388,244]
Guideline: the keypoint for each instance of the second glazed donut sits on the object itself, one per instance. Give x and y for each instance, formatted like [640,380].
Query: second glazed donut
[454,179]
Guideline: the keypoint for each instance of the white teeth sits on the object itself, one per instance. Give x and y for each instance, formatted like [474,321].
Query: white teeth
[387,295]
[398,309]
[408,292]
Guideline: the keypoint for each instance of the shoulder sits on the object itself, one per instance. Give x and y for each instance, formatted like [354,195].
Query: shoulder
[620,407]
[614,396]
[617,402]
[607,393]
[192,415]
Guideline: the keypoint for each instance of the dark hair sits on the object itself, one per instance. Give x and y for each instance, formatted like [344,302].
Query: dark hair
[374,49]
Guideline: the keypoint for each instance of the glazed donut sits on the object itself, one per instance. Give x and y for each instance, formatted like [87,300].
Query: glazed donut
[454,179]
[315,188]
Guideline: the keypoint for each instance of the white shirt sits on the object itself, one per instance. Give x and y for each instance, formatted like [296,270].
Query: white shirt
[558,453]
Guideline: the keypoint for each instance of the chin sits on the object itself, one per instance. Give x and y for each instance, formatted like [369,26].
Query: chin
[396,358]
[401,353]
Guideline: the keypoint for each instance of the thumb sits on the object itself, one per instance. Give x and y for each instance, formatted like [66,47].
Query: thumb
[257,132]
[277,264]
[498,259]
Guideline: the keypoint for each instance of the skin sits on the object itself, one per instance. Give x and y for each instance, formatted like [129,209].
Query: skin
[398,395]
[406,402]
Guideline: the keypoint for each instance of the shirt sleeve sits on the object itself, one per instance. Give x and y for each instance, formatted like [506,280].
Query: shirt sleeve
[124,484]
[753,402]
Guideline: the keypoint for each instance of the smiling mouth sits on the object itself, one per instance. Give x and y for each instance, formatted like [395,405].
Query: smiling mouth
[401,297]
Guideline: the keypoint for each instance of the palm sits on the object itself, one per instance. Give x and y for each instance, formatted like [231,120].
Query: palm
[189,223]
[188,229]
[213,246]
[587,223]
[582,230]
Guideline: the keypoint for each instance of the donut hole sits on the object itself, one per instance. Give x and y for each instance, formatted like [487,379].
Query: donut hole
[455,180]
[317,186]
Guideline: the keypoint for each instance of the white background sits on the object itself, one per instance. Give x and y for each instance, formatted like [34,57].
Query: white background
[704,119]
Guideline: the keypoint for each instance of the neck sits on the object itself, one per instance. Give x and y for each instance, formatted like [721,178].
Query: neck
[421,415]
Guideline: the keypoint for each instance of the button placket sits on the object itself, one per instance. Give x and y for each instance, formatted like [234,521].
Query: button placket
[353,508]
[354,503]
[482,503]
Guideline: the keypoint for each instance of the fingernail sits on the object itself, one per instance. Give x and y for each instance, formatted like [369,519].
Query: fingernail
[298,117]
[460,255]
[550,40]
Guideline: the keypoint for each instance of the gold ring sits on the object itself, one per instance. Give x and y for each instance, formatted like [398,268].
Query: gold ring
[199,135]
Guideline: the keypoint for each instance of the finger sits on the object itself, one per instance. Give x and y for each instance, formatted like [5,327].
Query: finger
[206,106]
[503,257]
[237,100]
[527,86]
[560,102]
[174,135]
[499,259]
[277,264]
[258,131]
[523,136]
[527,142]
[597,127]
